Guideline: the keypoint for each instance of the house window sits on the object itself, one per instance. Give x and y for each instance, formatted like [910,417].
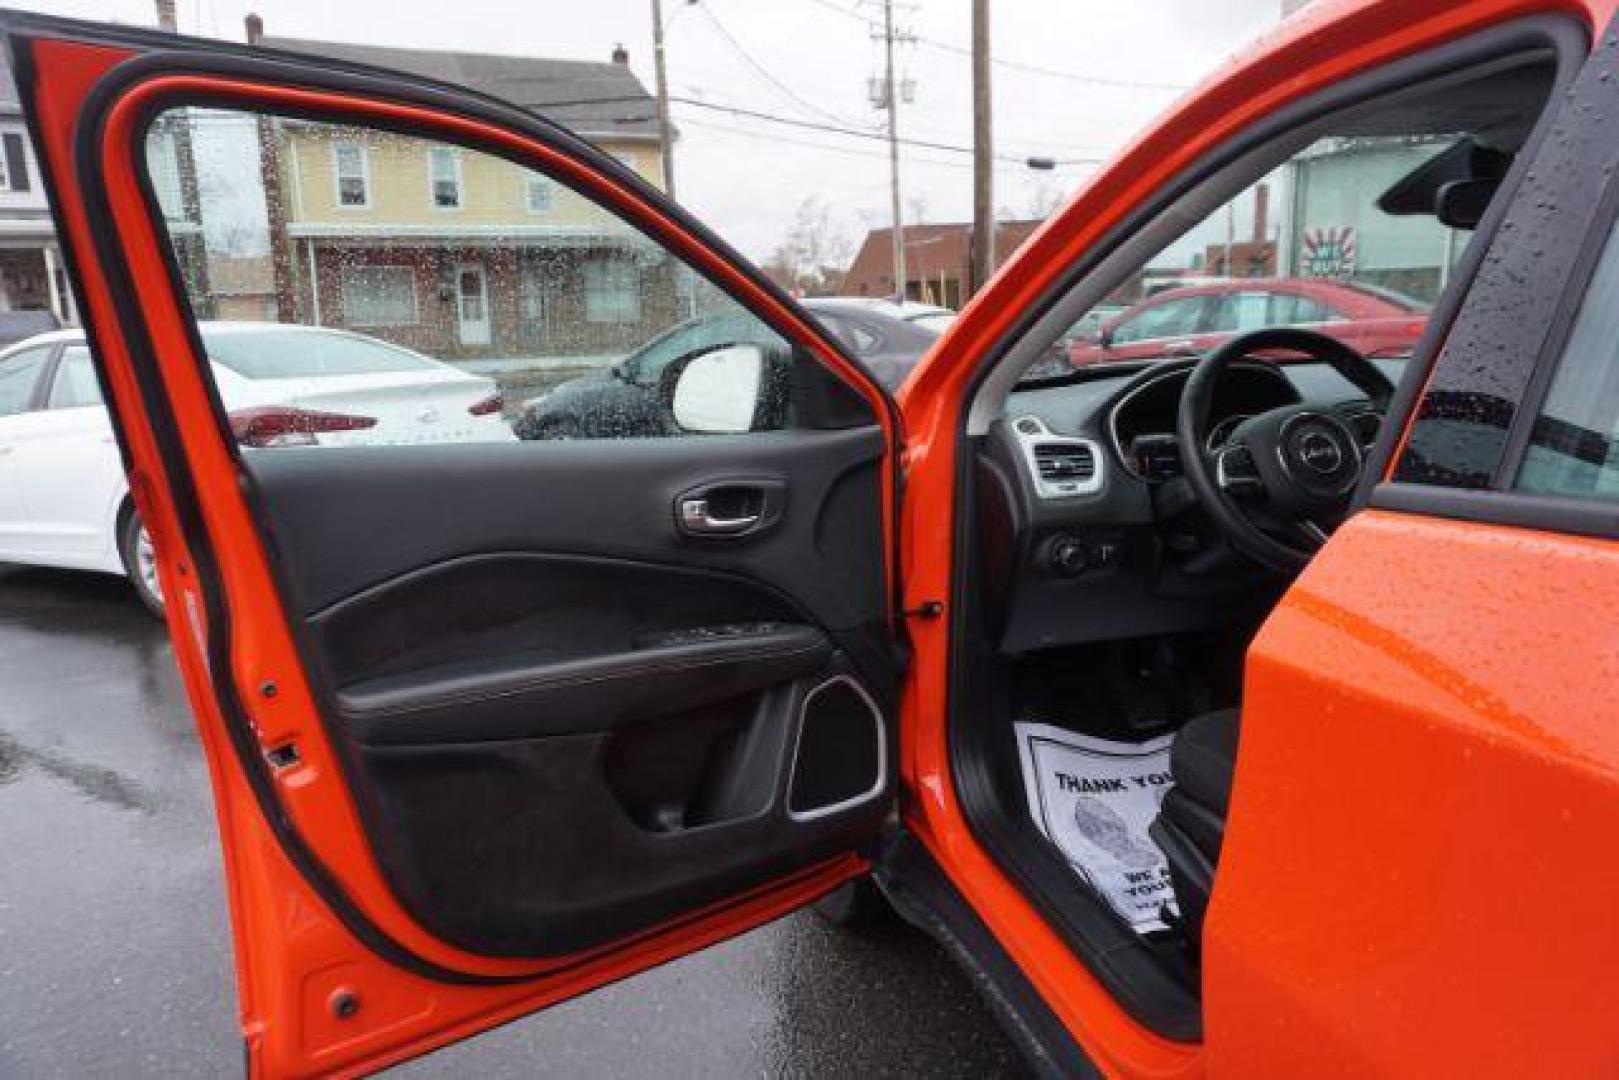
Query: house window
[379,296]
[533,301]
[538,194]
[353,166]
[612,291]
[444,166]
[14,173]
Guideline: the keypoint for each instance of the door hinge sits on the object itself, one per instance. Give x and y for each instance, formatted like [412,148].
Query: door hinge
[927,609]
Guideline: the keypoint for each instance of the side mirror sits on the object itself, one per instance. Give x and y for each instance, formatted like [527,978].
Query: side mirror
[1104,337]
[716,393]
[1461,203]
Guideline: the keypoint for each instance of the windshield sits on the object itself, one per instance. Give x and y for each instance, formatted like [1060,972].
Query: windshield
[271,353]
[1343,238]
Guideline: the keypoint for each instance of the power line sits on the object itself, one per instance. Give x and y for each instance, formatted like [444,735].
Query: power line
[791,121]
[1012,65]
[849,151]
[856,133]
[760,70]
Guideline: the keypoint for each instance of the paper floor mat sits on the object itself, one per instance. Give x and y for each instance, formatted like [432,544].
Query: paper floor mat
[1094,799]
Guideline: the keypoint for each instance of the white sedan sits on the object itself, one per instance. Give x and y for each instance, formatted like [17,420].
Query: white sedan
[63,497]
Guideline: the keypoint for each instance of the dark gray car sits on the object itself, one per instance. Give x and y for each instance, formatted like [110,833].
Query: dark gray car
[622,401]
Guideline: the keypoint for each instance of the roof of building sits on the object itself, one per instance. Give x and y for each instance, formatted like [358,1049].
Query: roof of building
[598,99]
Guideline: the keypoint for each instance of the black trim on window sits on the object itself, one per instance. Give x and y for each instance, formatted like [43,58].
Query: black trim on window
[1550,513]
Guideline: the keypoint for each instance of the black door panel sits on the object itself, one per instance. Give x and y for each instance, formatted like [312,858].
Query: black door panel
[512,610]
[526,694]
[541,847]
[565,716]
[387,511]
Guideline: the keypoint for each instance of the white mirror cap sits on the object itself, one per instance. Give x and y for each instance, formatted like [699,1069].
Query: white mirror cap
[718,392]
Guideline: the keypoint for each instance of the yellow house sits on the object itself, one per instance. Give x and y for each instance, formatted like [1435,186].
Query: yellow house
[459,253]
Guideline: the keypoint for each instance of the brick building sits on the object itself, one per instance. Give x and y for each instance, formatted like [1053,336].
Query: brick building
[936,261]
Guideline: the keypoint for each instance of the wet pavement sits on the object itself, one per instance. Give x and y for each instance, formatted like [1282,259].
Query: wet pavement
[115,954]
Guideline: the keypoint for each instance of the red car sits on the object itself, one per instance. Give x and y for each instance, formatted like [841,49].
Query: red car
[1191,320]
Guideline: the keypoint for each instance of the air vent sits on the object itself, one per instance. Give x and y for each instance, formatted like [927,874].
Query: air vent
[1064,462]
[1061,466]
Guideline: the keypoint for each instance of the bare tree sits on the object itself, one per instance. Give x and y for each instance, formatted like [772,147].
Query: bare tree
[812,258]
[1045,200]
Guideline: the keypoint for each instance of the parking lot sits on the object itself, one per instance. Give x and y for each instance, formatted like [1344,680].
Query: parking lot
[115,953]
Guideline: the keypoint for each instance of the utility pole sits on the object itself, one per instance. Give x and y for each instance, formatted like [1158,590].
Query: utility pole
[665,131]
[983,237]
[892,98]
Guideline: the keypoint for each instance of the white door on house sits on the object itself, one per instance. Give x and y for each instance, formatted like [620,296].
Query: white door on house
[472,304]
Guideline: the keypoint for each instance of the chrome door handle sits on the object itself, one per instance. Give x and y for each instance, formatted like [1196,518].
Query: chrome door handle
[695,517]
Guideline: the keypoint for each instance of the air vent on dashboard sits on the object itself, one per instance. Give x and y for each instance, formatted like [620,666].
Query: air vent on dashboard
[1060,466]
[1064,461]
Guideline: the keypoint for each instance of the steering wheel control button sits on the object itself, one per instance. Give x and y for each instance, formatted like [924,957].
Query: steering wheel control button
[1236,472]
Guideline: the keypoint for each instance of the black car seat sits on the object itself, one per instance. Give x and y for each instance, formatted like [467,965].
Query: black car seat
[1191,822]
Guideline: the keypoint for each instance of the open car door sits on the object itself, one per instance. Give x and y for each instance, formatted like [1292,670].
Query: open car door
[490,722]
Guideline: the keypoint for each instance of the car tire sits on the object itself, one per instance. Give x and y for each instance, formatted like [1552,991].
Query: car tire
[135,546]
[857,907]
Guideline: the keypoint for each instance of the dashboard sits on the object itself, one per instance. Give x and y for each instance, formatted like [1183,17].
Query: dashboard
[1087,528]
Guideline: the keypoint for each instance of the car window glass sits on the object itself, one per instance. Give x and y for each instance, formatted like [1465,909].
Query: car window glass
[373,313]
[1574,445]
[859,339]
[866,341]
[267,352]
[74,386]
[1166,319]
[1290,309]
[19,378]
[1240,312]
[1338,218]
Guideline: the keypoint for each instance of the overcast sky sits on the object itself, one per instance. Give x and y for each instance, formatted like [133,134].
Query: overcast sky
[746,177]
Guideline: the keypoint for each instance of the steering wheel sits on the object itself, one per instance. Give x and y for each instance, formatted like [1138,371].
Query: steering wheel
[1282,481]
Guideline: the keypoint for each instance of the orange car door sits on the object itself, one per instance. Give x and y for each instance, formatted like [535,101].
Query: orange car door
[490,723]
[1416,877]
